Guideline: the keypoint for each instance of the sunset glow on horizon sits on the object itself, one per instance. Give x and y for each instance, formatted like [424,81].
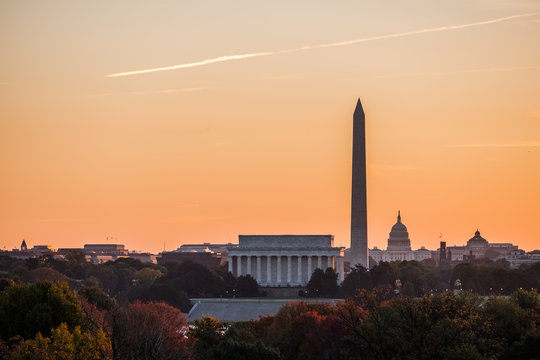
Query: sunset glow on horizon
[200,148]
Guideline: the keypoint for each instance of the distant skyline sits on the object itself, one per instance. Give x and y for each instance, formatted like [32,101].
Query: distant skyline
[212,148]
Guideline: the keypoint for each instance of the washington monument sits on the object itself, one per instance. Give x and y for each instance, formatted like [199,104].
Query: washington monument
[358,252]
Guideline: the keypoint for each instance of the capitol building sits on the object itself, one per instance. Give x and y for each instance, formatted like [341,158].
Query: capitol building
[399,247]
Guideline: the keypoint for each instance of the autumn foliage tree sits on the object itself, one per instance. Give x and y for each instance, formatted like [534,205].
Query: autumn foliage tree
[304,330]
[151,331]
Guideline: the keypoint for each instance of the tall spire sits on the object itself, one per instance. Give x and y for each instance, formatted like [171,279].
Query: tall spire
[398,217]
[359,110]
[358,252]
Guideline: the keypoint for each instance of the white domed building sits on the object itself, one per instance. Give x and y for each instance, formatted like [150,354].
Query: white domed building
[399,246]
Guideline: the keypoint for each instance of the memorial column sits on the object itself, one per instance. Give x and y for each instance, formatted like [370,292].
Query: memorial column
[289,268]
[309,267]
[299,277]
[230,261]
[239,266]
[259,277]
[248,272]
[278,280]
[268,270]
[319,261]
[341,270]
[330,264]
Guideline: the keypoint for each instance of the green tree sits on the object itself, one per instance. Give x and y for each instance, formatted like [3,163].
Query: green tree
[382,275]
[247,286]
[194,279]
[526,299]
[358,278]
[26,310]
[322,283]
[147,276]
[162,293]
[438,326]
[63,344]
[216,341]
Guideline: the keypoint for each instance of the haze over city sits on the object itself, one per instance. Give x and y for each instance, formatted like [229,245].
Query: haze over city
[189,122]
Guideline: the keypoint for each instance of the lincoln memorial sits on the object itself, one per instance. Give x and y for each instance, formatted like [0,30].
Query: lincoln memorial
[284,260]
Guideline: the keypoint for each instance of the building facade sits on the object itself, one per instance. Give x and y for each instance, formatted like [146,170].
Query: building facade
[477,247]
[205,247]
[284,260]
[517,258]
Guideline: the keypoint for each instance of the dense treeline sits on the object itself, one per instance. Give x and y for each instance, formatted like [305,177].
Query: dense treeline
[371,324]
[483,277]
[128,280]
[441,326]
[71,309]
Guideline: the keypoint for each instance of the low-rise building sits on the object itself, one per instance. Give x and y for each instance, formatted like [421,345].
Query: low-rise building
[517,258]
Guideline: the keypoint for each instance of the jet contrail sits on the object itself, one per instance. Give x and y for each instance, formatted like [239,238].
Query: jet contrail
[319,46]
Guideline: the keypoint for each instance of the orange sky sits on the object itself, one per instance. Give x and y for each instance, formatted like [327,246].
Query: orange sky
[262,144]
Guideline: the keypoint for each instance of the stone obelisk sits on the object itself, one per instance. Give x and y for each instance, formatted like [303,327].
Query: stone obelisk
[358,252]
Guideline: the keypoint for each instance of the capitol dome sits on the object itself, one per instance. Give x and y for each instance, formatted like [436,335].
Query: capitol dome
[399,225]
[477,240]
[399,237]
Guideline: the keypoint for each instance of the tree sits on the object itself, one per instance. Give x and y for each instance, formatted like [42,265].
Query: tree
[526,299]
[372,299]
[63,344]
[76,257]
[412,276]
[162,293]
[151,331]
[358,278]
[323,283]
[147,276]
[194,279]
[216,341]
[382,275]
[247,286]
[421,328]
[408,289]
[303,330]
[26,310]
[48,274]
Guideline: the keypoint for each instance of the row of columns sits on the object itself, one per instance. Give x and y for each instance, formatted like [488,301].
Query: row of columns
[300,279]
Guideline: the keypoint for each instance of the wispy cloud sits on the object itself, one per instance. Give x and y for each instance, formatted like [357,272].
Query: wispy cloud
[486,70]
[320,46]
[499,145]
[166,91]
